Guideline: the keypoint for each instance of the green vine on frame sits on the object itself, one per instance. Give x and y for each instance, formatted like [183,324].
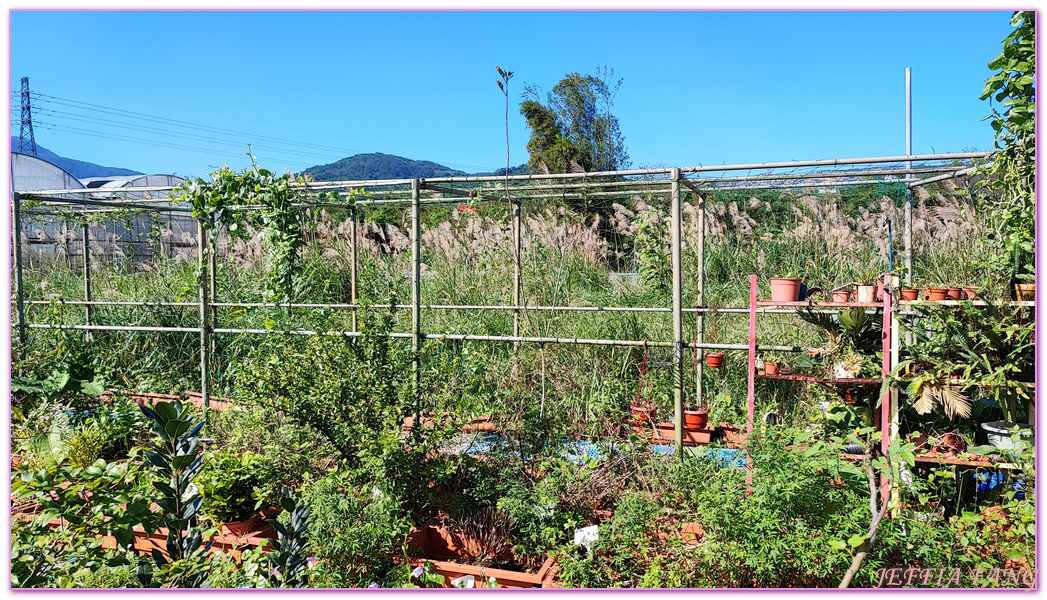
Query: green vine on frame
[279,202]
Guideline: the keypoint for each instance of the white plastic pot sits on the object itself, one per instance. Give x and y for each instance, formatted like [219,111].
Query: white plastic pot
[999,434]
[866,293]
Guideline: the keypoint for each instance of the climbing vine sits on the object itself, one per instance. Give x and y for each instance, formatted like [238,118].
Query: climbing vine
[276,208]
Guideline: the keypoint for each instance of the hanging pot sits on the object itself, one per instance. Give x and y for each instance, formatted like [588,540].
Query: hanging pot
[696,419]
[785,289]
[643,413]
[714,360]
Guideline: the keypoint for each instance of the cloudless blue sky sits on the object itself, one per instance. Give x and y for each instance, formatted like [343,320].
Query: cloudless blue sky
[309,88]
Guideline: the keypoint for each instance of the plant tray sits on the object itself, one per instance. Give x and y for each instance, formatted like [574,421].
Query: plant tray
[665,433]
[436,546]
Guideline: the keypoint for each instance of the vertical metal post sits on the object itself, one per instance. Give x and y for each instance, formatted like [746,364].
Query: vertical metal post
[85,235]
[205,342]
[214,286]
[517,206]
[699,302]
[895,357]
[907,225]
[885,401]
[416,299]
[908,165]
[677,264]
[16,239]
[750,406]
[352,266]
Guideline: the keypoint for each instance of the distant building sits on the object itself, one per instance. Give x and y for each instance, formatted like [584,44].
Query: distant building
[49,238]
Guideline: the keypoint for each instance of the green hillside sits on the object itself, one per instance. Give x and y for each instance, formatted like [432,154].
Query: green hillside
[387,166]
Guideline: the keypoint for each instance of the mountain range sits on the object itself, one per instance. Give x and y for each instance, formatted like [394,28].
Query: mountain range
[360,166]
[77,168]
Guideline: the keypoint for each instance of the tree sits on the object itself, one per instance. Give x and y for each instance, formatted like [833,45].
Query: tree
[1013,169]
[574,130]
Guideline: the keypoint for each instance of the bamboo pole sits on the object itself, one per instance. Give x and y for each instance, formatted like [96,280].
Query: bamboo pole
[416,299]
[677,267]
[16,239]
[205,343]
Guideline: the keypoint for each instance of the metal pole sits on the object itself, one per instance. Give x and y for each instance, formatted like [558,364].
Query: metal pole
[677,312]
[205,342]
[16,237]
[517,271]
[416,299]
[214,286]
[750,406]
[353,259]
[85,233]
[907,225]
[699,300]
[908,190]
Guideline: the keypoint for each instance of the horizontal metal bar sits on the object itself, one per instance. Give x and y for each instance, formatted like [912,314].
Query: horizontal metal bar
[431,336]
[952,175]
[583,176]
[87,202]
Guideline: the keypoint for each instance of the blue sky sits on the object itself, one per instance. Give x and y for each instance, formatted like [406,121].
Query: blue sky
[310,88]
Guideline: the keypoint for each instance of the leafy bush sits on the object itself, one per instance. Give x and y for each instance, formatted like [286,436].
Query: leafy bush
[778,536]
[357,532]
[352,391]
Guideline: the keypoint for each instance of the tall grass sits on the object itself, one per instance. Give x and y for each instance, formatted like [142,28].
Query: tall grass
[468,259]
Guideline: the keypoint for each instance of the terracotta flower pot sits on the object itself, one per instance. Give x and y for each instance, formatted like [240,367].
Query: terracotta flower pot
[770,367]
[842,296]
[952,293]
[934,294]
[644,413]
[696,419]
[970,292]
[785,289]
[910,293]
[714,360]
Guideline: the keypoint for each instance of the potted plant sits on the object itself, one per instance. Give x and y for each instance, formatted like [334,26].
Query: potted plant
[909,294]
[785,288]
[867,281]
[853,340]
[233,491]
[773,365]
[644,413]
[842,293]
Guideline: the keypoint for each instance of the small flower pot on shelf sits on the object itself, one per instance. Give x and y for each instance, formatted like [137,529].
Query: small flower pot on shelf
[644,414]
[910,294]
[866,293]
[970,292]
[785,289]
[935,294]
[770,367]
[841,295]
[952,293]
[696,418]
[714,360]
